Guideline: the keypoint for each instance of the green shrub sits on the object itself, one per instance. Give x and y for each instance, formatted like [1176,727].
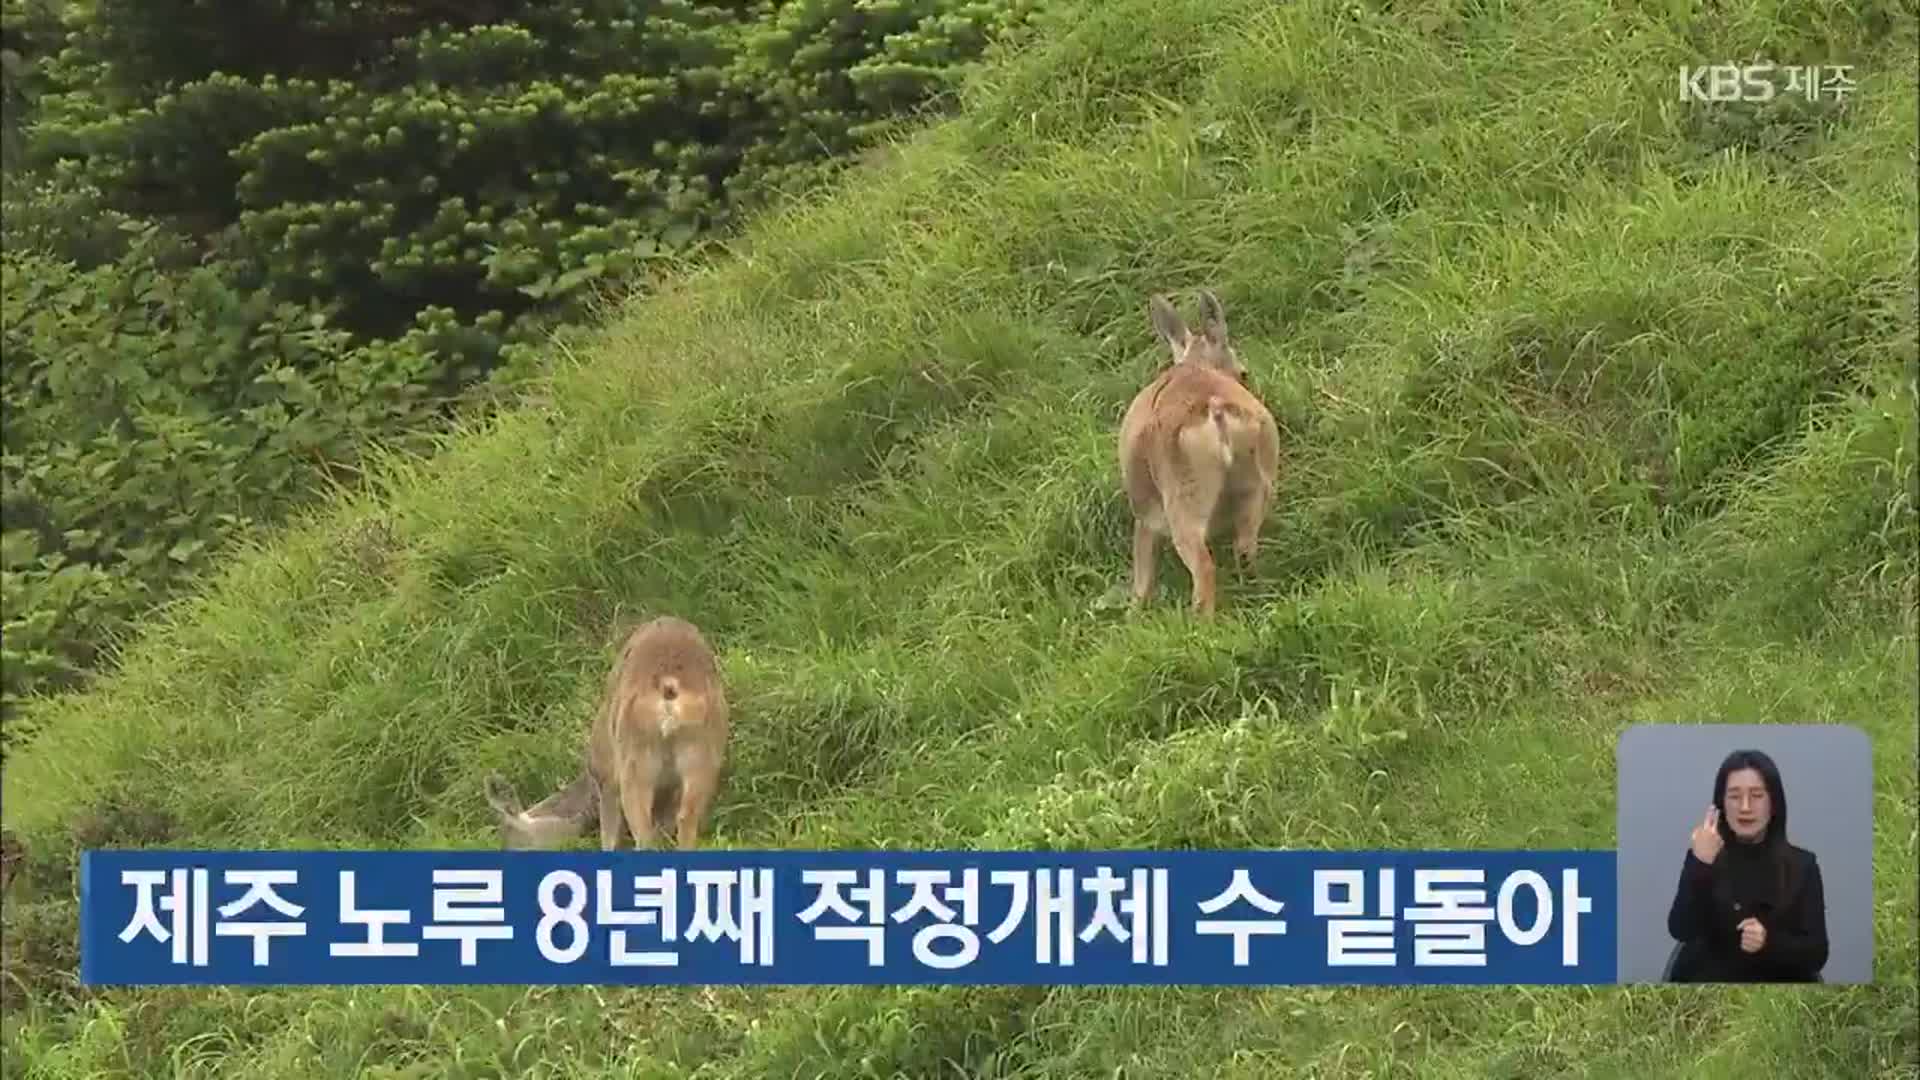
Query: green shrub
[29,30]
[154,412]
[272,235]
[391,160]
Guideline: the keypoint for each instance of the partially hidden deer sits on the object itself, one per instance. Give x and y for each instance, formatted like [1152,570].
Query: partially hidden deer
[657,743]
[1199,452]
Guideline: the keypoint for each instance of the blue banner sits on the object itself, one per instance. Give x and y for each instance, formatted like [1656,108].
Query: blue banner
[847,917]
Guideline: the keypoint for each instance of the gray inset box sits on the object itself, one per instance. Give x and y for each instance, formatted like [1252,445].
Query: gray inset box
[1666,787]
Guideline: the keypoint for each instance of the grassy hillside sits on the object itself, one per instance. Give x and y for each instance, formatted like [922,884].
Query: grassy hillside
[1599,410]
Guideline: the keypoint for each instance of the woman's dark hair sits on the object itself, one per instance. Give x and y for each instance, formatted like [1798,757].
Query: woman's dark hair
[1778,851]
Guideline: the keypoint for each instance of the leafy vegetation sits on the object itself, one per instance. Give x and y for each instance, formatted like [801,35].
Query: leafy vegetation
[1599,410]
[275,236]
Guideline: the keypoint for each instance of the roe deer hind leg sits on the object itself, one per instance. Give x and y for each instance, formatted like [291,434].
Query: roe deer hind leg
[638,779]
[1190,540]
[699,778]
[1146,540]
[1249,514]
[1190,505]
[610,824]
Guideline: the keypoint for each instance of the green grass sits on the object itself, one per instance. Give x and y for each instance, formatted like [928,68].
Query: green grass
[1599,410]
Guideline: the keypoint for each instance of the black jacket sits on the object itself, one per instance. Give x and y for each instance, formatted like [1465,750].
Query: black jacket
[1711,902]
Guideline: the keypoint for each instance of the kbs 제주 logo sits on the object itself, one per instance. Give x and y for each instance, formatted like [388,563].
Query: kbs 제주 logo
[1765,81]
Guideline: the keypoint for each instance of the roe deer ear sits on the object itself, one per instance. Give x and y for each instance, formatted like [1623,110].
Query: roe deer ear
[1215,325]
[1168,323]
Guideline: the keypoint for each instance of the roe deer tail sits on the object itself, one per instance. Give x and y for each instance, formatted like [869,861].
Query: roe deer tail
[1217,409]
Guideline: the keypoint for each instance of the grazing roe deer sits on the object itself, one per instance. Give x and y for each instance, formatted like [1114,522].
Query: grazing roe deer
[1197,451]
[661,731]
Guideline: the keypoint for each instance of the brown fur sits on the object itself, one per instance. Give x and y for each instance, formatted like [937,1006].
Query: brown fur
[659,739]
[1198,452]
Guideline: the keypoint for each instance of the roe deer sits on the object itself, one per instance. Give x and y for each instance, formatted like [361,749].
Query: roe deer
[661,732]
[1197,450]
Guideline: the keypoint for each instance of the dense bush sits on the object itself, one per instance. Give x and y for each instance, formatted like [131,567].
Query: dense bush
[29,29]
[152,412]
[248,240]
[400,156]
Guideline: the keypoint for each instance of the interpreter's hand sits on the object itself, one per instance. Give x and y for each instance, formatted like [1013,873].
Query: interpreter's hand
[1753,936]
[1706,836]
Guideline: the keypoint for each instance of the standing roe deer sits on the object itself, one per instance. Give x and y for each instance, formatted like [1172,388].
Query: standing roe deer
[661,730]
[1197,450]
